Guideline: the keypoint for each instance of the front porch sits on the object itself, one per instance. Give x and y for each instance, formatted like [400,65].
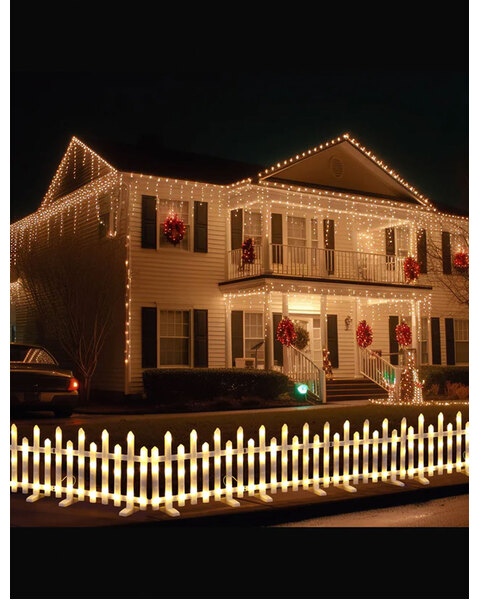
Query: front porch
[329,316]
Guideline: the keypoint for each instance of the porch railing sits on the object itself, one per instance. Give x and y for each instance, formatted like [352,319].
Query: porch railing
[300,261]
[303,370]
[377,369]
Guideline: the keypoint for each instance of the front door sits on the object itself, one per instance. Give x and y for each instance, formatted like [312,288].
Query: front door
[311,324]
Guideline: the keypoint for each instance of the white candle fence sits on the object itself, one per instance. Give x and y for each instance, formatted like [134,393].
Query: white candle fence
[225,474]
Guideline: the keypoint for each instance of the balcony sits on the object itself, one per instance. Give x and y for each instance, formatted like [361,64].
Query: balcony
[300,261]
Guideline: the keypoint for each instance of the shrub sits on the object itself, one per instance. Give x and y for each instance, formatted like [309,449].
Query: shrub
[433,390]
[169,386]
[463,392]
[439,375]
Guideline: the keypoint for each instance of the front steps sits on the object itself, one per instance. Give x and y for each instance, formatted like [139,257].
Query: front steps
[340,390]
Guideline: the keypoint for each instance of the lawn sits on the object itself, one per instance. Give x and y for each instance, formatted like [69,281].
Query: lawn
[150,429]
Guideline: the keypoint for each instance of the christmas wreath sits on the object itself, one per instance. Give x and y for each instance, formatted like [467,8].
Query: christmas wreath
[403,334]
[286,332]
[411,269]
[303,337]
[460,261]
[174,229]
[364,334]
[248,252]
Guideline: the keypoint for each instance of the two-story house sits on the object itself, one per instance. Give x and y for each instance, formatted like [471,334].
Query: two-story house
[331,229]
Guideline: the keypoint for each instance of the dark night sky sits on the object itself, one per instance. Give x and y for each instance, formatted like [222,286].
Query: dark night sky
[412,114]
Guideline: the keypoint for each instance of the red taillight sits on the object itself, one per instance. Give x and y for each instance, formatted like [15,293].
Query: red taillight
[73,385]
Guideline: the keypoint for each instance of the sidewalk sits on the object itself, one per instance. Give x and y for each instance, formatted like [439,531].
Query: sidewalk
[47,513]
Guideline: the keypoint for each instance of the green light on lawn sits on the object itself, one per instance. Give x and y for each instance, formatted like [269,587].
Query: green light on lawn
[302,388]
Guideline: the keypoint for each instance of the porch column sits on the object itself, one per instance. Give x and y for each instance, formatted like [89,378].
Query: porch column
[415,312]
[268,320]
[228,335]
[356,302]
[266,258]
[286,366]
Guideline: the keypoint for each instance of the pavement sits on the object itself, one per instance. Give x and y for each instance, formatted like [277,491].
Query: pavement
[287,508]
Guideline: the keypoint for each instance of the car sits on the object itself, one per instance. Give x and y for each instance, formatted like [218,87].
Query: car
[37,382]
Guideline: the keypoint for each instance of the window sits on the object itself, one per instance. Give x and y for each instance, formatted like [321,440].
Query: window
[424,341]
[402,238]
[252,227]
[296,229]
[169,208]
[314,227]
[175,337]
[254,334]
[104,211]
[461,341]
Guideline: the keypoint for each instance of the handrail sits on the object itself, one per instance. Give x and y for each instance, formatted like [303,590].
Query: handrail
[377,369]
[302,369]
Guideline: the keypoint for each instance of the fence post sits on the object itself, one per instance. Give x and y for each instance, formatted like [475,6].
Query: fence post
[14,458]
[411,443]
[449,447]
[69,500]
[36,466]
[284,458]
[58,462]
[117,475]
[336,454]
[130,506]
[458,439]
[295,463]
[375,456]
[393,463]
[316,467]
[431,466]
[92,491]
[346,459]
[239,453]
[47,468]
[273,465]
[228,476]
[326,455]
[217,461]
[143,477]
[403,443]
[384,446]
[105,464]
[205,473]
[440,444]
[155,471]
[356,453]
[168,507]
[365,450]
[193,467]
[262,488]
[81,464]
[305,457]
[181,474]
[421,451]
[25,465]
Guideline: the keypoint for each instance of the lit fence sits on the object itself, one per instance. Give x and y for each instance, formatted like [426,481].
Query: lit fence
[168,481]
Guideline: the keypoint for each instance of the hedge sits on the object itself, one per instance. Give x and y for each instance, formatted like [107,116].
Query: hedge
[173,385]
[440,375]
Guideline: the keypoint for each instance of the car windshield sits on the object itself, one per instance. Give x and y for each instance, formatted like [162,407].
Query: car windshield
[29,354]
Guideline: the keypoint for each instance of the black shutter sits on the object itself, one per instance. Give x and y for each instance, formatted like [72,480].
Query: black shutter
[200,338]
[237,335]
[446,253]
[329,245]
[392,323]
[200,233]
[436,350]
[236,228]
[149,222]
[332,339]
[422,250]
[277,238]
[277,346]
[149,337]
[450,341]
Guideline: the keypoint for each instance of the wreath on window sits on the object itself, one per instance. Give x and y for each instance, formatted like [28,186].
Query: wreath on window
[286,332]
[460,261]
[411,269]
[403,333]
[174,229]
[248,252]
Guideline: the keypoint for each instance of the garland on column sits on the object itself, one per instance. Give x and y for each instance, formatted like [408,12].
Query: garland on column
[364,334]
[411,269]
[286,332]
[174,229]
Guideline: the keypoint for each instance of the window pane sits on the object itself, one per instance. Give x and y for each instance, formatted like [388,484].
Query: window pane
[461,352]
[174,337]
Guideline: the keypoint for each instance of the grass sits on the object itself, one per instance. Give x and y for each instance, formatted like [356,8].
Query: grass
[150,429]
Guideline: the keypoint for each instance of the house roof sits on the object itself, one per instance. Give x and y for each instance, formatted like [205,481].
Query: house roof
[148,156]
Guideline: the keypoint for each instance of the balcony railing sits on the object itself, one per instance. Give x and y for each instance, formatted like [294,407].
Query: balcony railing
[300,261]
